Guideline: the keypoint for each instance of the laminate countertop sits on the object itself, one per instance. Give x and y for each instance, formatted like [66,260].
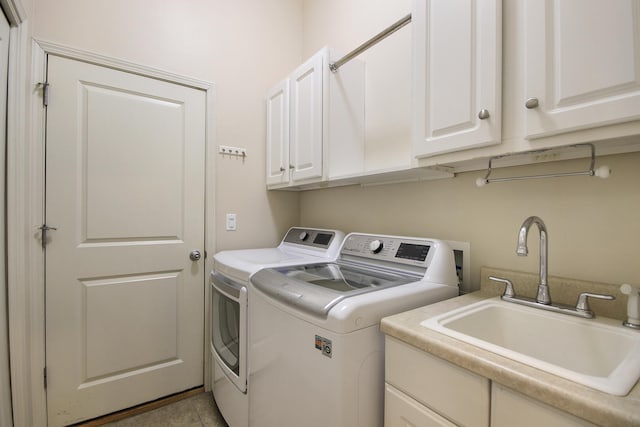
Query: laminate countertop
[584,402]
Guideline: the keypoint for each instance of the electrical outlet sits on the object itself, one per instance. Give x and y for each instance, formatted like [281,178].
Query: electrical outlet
[231,222]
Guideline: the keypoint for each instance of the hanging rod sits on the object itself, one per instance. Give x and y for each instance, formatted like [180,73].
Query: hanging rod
[601,172]
[372,41]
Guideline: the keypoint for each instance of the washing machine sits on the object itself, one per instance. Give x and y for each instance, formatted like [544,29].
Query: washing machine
[317,353]
[230,302]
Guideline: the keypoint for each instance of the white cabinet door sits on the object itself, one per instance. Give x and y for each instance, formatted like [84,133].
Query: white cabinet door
[457,79]
[582,64]
[402,411]
[509,408]
[460,395]
[278,134]
[307,119]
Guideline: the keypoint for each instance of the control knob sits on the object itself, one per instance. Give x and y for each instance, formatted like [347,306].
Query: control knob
[376,246]
[303,236]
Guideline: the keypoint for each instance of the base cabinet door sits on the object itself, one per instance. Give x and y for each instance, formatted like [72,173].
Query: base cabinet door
[509,409]
[452,392]
[401,410]
[582,64]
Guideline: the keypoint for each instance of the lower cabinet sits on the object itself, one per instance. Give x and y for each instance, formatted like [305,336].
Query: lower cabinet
[510,408]
[401,410]
[443,389]
[422,390]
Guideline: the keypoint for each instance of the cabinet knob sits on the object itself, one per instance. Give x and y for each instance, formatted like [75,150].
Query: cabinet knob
[282,169]
[532,103]
[483,114]
[291,167]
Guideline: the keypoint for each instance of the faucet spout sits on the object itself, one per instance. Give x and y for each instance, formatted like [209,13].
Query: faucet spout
[543,296]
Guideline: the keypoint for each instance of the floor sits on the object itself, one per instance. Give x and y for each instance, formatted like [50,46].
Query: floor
[196,411]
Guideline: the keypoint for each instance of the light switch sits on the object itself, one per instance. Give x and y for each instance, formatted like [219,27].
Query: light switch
[231,222]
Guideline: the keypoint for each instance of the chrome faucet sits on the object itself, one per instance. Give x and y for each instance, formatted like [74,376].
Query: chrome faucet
[543,296]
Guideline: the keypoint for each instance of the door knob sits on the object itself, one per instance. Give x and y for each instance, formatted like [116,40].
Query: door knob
[195,256]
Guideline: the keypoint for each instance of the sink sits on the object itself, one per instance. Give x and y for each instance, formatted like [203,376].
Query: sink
[598,353]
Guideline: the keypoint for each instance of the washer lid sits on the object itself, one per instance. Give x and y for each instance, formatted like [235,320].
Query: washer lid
[316,288]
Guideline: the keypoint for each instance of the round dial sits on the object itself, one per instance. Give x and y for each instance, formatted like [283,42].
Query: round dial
[376,246]
[303,236]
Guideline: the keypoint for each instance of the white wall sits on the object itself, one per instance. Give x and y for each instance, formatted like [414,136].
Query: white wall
[593,224]
[246,46]
[243,47]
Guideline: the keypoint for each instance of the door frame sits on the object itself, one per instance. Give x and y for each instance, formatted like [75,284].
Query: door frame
[27,310]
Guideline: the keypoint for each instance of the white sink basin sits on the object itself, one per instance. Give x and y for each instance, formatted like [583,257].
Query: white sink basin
[598,353]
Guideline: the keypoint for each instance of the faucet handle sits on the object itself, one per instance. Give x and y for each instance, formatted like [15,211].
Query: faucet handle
[633,305]
[509,291]
[583,301]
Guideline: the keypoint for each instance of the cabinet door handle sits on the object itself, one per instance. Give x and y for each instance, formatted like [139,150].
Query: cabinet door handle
[282,169]
[291,167]
[483,114]
[532,103]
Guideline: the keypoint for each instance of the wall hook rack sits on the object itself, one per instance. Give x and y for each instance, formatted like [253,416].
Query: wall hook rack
[233,151]
[601,172]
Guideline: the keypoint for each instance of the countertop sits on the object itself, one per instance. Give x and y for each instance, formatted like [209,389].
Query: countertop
[596,407]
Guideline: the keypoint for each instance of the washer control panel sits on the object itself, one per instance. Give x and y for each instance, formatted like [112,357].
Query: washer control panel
[310,237]
[403,250]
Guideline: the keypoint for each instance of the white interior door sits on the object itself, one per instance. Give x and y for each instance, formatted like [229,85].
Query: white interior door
[125,192]
[5,388]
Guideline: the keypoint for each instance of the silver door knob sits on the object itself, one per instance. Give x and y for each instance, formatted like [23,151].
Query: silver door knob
[483,114]
[532,103]
[195,256]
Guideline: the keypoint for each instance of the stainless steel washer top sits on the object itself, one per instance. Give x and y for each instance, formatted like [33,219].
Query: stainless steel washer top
[367,263]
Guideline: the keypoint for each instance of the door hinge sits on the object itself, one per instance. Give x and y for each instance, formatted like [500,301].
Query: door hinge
[45,93]
[45,377]
[43,229]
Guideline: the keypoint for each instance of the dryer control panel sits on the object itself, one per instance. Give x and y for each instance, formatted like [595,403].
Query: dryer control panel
[309,237]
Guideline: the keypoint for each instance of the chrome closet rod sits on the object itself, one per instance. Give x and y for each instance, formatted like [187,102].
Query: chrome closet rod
[549,175]
[372,41]
[601,172]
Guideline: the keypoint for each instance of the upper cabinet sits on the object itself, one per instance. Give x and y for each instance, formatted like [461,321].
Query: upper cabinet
[307,119]
[315,123]
[457,75]
[278,134]
[565,72]
[582,64]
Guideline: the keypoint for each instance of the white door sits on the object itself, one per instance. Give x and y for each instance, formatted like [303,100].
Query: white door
[5,389]
[278,134]
[125,190]
[582,64]
[307,119]
[457,75]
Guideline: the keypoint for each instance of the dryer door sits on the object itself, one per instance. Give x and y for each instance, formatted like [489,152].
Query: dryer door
[229,328]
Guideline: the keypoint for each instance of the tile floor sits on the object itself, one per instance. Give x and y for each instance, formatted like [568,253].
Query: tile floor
[196,411]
